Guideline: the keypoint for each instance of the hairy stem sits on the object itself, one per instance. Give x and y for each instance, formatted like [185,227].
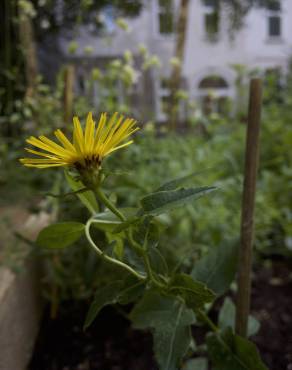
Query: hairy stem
[104,199]
[201,315]
[107,258]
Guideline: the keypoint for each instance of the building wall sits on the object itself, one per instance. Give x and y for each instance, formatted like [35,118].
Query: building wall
[251,46]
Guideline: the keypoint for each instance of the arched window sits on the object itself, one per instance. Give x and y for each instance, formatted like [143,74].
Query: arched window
[213,82]
[214,94]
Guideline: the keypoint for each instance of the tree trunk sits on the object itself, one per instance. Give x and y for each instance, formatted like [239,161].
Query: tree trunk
[27,41]
[68,93]
[177,68]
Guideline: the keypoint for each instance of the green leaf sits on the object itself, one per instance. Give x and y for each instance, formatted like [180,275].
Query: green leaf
[125,225]
[60,235]
[108,221]
[170,321]
[123,292]
[229,351]
[132,290]
[157,261]
[164,201]
[195,293]
[147,232]
[217,269]
[227,318]
[199,363]
[174,184]
[104,296]
[87,198]
[171,343]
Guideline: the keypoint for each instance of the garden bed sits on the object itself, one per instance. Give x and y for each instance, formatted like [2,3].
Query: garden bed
[111,344]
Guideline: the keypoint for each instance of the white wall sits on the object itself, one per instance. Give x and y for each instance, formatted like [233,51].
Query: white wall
[251,45]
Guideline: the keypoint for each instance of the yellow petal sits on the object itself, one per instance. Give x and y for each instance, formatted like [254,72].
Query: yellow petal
[40,153]
[118,147]
[78,137]
[89,134]
[64,141]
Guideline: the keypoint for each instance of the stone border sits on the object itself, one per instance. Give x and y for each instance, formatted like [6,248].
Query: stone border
[21,304]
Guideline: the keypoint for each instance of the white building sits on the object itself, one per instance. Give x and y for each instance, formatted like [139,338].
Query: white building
[264,42]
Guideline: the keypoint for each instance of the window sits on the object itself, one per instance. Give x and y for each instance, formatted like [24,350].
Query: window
[214,95]
[211,19]
[165,16]
[274,5]
[213,82]
[274,19]
[274,26]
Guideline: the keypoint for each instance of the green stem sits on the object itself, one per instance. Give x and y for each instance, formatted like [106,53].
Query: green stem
[104,199]
[107,258]
[208,321]
[136,246]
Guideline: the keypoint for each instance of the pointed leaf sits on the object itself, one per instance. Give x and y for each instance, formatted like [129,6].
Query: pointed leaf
[195,293]
[170,321]
[104,296]
[174,184]
[217,269]
[229,351]
[108,221]
[119,291]
[60,235]
[164,201]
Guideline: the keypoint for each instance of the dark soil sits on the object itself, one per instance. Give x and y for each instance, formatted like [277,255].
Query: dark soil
[272,305]
[111,344]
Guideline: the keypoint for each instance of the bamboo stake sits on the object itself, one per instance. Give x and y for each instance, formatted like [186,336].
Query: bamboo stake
[68,93]
[248,203]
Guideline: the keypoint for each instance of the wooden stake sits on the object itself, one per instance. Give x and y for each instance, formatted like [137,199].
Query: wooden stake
[68,93]
[248,202]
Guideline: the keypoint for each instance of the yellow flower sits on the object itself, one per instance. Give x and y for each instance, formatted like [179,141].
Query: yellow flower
[88,148]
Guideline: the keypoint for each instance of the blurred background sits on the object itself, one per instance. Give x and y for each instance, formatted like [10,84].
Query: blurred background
[182,69]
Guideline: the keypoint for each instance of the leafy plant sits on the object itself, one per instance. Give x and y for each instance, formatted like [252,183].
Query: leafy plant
[165,299]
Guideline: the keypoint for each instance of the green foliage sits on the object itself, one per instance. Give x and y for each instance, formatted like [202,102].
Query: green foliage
[170,321]
[60,235]
[226,318]
[163,201]
[87,197]
[229,351]
[117,291]
[199,363]
[194,293]
[217,269]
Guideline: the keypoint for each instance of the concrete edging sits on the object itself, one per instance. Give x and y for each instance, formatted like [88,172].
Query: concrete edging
[21,304]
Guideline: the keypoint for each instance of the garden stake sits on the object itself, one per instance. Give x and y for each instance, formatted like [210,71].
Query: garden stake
[248,202]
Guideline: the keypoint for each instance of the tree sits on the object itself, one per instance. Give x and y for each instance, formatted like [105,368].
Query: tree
[237,9]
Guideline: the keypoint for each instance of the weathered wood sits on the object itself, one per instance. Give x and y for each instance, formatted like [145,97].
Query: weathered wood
[248,205]
[69,77]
